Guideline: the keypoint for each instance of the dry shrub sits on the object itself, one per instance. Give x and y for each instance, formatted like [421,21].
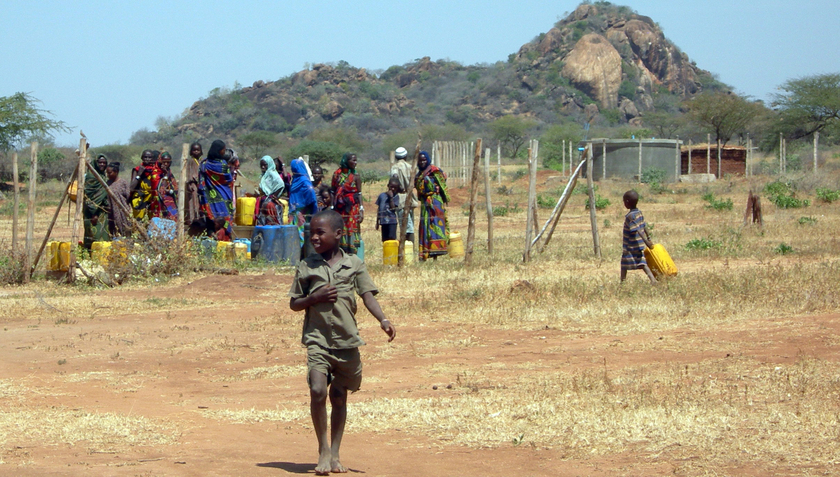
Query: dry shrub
[12,266]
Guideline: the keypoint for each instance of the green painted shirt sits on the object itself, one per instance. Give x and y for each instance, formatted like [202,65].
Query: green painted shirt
[332,325]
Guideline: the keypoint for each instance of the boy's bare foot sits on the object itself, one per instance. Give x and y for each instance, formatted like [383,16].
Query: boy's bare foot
[336,467]
[324,463]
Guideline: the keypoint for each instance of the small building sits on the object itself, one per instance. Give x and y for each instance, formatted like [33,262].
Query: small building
[628,158]
[703,160]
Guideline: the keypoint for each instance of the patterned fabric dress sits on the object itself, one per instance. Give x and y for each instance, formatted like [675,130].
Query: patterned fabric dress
[215,180]
[633,245]
[433,227]
[145,201]
[168,192]
[214,185]
[347,203]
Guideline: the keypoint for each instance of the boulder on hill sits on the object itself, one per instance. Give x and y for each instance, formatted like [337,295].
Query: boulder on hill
[594,67]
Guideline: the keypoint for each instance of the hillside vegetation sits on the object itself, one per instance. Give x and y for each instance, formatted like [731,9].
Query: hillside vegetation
[601,62]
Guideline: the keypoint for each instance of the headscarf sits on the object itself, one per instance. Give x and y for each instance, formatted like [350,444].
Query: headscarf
[271,183]
[302,193]
[115,166]
[428,161]
[345,162]
[215,152]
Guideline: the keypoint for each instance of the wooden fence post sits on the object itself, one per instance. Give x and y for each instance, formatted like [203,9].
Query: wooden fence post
[182,189]
[604,159]
[487,201]
[719,156]
[473,200]
[535,148]
[640,160]
[689,156]
[499,164]
[30,208]
[816,146]
[80,200]
[677,160]
[563,163]
[16,204]
[596,243]
[708,153]
[532,193]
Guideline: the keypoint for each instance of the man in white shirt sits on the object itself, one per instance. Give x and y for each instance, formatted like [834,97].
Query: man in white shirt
[402,171]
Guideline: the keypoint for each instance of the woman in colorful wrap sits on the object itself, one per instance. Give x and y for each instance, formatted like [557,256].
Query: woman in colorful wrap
[214,185]
[145,179]
[167,188]
[347,190]
[96,205]
[118,224]
[271,208]
[430,183]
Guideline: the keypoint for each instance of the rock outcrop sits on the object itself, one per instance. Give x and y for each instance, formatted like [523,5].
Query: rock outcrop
[594,67]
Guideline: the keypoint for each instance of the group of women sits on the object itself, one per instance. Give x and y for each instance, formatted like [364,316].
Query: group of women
[282,197]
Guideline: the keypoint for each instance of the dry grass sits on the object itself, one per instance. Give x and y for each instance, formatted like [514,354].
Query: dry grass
[676,399]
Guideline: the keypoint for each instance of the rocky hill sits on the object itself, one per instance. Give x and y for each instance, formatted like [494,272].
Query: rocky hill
[601,62]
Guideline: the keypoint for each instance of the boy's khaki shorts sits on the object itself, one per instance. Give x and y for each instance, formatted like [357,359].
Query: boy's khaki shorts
[341,366]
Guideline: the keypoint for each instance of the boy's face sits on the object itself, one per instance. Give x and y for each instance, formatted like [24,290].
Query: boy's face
[323,236]
[196,151]
[393,187]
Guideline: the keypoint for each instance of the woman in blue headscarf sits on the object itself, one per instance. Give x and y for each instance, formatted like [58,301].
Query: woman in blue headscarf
[271,208]
[302,197]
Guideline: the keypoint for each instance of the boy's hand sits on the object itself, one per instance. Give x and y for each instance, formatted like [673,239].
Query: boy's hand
[325,294]
[389,329]
[377,224]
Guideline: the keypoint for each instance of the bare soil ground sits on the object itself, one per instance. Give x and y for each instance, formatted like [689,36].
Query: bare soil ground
[503,370]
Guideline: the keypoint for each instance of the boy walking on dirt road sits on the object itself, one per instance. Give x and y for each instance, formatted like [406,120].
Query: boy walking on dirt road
[324,286]
[635,238]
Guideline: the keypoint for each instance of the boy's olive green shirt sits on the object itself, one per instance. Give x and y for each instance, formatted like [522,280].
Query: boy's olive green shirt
[332,325]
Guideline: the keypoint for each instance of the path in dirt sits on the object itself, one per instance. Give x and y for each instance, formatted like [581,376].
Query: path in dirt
[178,364]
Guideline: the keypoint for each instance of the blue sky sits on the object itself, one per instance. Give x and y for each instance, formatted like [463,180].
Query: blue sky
[113,67]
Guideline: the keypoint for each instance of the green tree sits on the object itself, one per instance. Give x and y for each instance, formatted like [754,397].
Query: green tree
[663,124]
[723,114]
[318,151]
[511,132]
[256,143]
[552,146]
[347,138]
[20,118]
[808,105]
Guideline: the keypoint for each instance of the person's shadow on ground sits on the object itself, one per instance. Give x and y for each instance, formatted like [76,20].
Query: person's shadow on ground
[296,468]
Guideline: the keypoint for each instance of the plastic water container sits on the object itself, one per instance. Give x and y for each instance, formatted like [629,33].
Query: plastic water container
[99,252]
[224,250]
[274,243]
[163,228]
[208,247]
[409,252]
[390,252]
[247,243]
[456,245]
[245,210]
[360,252]
[240,251]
